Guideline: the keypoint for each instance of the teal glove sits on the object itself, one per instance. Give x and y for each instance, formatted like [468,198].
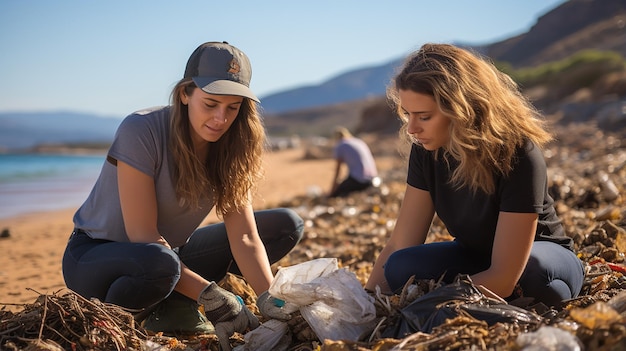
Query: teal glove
[227,312]
[271,307]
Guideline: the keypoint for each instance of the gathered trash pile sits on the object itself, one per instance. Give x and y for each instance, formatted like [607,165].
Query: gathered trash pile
[587,170]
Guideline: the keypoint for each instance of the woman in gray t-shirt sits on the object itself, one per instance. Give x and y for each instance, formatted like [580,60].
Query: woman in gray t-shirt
[136,241]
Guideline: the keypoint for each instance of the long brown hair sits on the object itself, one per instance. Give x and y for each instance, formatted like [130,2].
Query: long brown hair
[233,164]
[490,118]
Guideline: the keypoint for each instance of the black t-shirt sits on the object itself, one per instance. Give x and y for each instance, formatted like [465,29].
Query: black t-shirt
[471,217]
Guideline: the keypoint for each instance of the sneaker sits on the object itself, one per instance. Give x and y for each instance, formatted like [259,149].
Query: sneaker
[178,314]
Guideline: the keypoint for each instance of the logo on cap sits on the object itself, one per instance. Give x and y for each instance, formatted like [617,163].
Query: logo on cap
[234,67]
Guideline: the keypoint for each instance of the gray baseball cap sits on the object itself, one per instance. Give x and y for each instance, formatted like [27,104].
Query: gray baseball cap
[221,69]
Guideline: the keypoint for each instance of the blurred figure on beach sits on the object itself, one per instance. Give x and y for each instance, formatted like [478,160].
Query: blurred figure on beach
[137,241]
[476,162]
[357,156]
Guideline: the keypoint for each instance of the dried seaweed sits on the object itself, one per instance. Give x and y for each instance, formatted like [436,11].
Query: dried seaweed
[587,172]
[69,321]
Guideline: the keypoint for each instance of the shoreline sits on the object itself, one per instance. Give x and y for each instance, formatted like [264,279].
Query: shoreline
[58,192]
[34,246]
[33,249]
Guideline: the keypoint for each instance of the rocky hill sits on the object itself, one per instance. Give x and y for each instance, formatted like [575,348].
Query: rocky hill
[569,29]
[573,26]
[353,85]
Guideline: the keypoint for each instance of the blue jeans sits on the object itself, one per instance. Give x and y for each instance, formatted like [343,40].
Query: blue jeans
[350,185]
[138,275]
[552,274]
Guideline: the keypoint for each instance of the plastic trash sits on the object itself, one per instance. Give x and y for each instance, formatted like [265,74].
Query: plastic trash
[331,300]
[548,338]
[272,335]
[618,303]
[610,192]
[460,297]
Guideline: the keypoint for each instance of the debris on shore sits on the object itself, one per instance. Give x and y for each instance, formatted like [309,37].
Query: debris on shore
[587,172]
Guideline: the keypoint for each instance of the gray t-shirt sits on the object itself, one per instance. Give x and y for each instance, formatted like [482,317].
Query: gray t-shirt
[142,142]
[358,157]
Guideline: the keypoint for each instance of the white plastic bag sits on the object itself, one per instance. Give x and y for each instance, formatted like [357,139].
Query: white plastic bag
[330,299]
[548,338]
[269,336]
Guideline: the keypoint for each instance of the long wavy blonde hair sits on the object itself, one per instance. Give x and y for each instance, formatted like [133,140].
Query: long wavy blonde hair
[490,117]
[233,164]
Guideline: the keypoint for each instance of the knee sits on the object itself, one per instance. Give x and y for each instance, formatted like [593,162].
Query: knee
[549,293]
[293,217]
[396,272]
[548,285]
[162,262]
[293,224]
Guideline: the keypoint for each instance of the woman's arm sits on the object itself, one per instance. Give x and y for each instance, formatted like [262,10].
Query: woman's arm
[138,203]
[139,208]
[412,225]
[248,249]
[333,185]
[513,241]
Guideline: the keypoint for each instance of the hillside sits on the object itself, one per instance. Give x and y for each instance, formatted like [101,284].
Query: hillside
[354,85]
[573,26]
[572,96]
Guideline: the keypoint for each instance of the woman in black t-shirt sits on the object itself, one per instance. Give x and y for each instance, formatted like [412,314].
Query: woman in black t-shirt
[476,163]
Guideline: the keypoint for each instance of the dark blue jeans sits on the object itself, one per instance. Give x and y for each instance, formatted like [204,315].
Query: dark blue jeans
[552,274]
[138,275]
[349,185]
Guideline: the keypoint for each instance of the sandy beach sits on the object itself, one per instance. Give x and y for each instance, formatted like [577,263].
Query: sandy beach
[30,263]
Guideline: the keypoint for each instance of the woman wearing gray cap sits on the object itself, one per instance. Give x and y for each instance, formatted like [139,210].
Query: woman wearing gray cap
[136,241]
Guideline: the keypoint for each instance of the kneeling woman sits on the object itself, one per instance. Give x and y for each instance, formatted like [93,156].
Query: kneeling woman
[476,162]
[136,241]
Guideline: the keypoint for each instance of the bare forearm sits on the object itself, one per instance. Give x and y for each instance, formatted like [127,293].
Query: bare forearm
[377,277]
[190,283]
[493,281]
[248,249]
[253,263]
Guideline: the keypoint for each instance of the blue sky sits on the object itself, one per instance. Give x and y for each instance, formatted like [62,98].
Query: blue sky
[116,56]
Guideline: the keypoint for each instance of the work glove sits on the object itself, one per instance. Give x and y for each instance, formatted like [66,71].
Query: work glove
[227,312]
[271,307]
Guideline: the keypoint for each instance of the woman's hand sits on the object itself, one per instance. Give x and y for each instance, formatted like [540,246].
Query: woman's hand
[271,307]
[227,312]
[163,242]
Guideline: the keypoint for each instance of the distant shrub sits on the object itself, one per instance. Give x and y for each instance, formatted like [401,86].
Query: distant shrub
[577,71]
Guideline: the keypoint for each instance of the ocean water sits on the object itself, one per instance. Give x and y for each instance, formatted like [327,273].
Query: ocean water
[40,182]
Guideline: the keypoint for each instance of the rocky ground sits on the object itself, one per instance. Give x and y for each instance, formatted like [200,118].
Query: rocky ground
[587,169]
